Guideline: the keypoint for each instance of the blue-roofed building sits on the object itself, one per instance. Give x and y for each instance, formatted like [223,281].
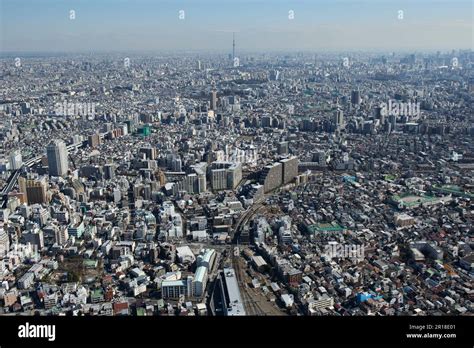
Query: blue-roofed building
[364,296]
[348,178]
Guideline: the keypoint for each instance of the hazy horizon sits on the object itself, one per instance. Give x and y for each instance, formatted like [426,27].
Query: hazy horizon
[259,25]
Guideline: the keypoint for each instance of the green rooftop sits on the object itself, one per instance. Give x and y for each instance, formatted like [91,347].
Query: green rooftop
[409,200]
[90,263]
[325,227]
[97,293]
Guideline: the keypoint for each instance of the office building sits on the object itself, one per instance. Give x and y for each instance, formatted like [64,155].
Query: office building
[214,100]
[93,140]
[355,97]
[15,160]
[338,118]
[109,171]
[36,190]
[219,179]
[4,241]
[283,148]
[61,235]
[194,183]
[225,175]
[290,169]
[271,176]
[57,158]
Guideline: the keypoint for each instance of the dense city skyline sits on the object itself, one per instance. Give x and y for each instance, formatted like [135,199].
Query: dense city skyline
[183,173]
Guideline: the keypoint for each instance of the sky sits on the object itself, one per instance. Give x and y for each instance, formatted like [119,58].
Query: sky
[259,25]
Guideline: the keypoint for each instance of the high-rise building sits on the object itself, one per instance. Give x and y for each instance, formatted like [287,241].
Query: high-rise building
[355,97]
[149,152]
[290,169]
[22,184]
[202,184]
[15,160]
[194,183]
[176,165]
[283,148]
[214,100]
[57,158]
[339,118]
[271,176]
[267,121]
[61,236]
[225,175]
[93,140]
[219,179]
[379,114]
[234,175]
[36,190]
[109,171]
[4,241]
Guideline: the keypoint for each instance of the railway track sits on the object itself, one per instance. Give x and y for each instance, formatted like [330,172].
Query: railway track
[251,306]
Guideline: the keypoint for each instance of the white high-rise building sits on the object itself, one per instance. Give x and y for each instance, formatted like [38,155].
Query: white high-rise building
[339,118]
[16,160]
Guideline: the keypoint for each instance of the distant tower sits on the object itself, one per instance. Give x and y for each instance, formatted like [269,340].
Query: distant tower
[233,46]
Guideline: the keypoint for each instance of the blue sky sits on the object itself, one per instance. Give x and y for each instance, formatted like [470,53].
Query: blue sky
[137,25]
